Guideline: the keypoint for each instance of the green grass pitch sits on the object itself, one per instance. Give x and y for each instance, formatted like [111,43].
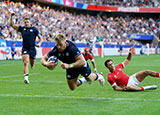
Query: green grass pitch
[48,92]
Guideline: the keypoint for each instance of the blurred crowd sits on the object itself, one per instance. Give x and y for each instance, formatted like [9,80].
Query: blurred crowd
[79,28]
[125,3]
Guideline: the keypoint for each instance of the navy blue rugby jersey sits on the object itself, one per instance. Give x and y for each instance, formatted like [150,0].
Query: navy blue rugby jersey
[69,55]
[28,35]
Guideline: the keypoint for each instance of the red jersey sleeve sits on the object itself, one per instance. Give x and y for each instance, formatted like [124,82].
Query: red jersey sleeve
[121,65]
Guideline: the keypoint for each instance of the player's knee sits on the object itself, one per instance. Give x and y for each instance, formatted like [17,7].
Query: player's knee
[146,72]
[72,88]
[25,63]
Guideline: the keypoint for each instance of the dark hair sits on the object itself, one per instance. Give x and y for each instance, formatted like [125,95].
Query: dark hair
[106,62]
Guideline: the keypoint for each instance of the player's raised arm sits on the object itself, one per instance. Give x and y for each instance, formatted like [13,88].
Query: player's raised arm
[12,22]
[129,57]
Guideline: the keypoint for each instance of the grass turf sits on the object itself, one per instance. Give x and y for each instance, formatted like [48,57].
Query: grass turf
[48,92]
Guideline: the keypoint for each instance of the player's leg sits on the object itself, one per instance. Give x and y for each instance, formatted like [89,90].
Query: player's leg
[134,88]
[32,62]
[142,88]
[25,59]
[72,78]
[32,53]
[96,76]
[72,83]
[142,74]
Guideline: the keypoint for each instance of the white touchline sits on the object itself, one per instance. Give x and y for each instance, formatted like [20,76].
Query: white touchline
[74,97]
[17,75]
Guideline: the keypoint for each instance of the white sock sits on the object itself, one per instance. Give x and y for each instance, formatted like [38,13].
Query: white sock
[82,80]
[150,87]
[99,76]
[26,76]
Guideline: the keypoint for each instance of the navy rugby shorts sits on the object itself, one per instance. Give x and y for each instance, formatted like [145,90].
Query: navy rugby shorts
[72,73]
[31,51]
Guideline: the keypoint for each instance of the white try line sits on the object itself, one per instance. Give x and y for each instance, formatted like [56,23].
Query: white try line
[74,97]
[10,76]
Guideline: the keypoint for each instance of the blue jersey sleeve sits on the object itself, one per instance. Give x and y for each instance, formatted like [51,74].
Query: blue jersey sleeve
[36,32]
[20,28]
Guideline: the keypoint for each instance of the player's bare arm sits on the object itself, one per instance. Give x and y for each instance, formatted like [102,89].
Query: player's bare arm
[94,66]
[79,63]
[129,57]
[12,22]
[116,88]
[46,64]
[40,41]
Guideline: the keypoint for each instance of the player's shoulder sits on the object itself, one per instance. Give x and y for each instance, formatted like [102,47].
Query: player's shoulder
[110,75]
[119,65]
[71,45]
[33,27]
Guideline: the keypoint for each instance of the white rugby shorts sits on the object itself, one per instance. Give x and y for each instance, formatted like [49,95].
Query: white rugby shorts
[133,80]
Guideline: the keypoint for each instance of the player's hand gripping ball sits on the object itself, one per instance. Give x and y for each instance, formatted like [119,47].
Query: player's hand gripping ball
[52,61]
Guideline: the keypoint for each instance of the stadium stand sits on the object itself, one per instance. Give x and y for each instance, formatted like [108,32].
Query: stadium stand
[77,27]
[126,3]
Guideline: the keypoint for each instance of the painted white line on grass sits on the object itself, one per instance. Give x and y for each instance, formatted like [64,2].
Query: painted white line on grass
[34,81]
[17,75]
[74,97]
[9,64]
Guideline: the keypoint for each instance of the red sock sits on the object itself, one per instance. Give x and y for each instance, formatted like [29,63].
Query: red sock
[157,74]
[142,88]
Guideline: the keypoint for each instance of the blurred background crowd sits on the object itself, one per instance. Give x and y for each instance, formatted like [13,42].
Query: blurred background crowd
[126,3]
[77,27]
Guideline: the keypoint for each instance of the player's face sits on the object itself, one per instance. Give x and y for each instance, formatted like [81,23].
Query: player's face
[86,51]
[110,65]
[61,45]
[27,23]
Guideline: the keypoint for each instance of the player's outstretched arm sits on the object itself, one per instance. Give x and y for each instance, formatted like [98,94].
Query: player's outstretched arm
[46,64]
[129,57]
[80,61]
[12,22]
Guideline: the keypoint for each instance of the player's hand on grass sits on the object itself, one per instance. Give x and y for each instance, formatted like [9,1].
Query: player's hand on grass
[125,88]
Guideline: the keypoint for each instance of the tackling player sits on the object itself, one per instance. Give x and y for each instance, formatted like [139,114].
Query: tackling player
[29,34]
[87,55]
[122,82]
[73,61]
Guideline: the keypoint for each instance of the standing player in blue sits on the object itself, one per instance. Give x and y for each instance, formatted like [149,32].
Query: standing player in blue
[29,34]
[73,61]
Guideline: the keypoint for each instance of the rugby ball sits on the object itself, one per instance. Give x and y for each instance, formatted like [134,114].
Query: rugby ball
[52,59]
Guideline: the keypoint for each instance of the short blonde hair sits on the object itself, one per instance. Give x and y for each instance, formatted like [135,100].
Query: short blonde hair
[60,37]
